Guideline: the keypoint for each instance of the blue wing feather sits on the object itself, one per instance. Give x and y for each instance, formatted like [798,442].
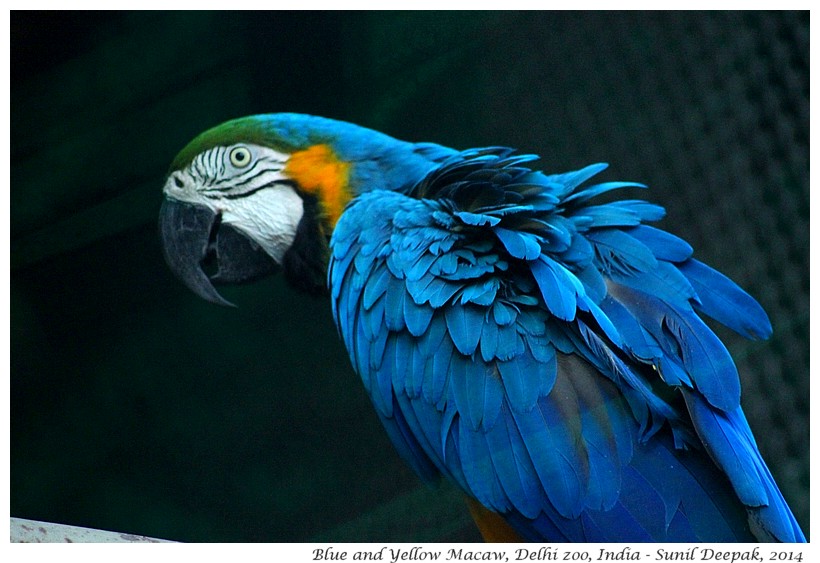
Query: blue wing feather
[416,317]
[721,299]
[462,321]
[664,246]
[523,246]
[436,378]
[477,464]
[394,304]
[556,288]
[623,252]
[706,360]
[547,355]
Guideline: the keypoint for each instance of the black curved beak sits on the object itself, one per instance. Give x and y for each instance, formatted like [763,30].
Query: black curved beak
[194,240]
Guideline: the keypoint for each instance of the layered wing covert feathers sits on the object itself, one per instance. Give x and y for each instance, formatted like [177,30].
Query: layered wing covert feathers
[547,353]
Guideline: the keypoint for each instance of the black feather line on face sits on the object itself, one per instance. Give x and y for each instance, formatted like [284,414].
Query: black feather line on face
[305,263]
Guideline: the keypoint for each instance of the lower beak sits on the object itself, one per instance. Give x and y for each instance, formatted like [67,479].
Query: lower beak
[194,237]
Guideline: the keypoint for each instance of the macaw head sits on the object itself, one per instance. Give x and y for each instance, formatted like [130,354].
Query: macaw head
[262,193]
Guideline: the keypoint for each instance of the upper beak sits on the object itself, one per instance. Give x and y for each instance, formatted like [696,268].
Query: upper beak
[193,236]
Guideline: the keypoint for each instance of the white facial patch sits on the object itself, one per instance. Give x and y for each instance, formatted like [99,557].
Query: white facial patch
[246,184]
[269,217]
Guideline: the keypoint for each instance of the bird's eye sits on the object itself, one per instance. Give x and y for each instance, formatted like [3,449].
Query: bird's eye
[240,157]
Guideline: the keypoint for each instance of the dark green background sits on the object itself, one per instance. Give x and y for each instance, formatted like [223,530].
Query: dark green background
[139,408]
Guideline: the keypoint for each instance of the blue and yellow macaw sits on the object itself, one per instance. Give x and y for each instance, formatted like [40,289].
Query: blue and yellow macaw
[544,352]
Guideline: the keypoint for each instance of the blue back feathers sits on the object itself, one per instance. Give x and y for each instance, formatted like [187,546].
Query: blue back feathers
[548,354]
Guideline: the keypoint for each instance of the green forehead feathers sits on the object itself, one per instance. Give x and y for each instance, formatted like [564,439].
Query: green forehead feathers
[252,130]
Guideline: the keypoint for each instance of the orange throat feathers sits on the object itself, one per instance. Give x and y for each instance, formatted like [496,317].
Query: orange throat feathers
[319,172]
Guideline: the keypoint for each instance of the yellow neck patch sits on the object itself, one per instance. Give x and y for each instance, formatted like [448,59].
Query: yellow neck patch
[319,171]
